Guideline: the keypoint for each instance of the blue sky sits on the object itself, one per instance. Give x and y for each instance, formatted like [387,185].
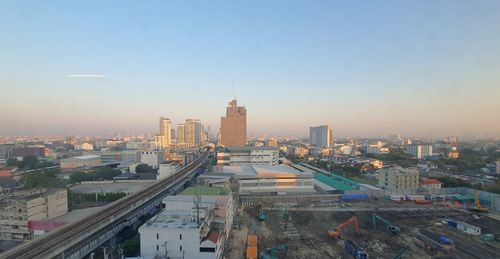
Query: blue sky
[368,68]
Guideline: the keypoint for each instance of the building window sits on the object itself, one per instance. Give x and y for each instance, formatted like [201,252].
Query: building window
[207,249]
[157,248]
[157,236]
[180,248]
[180,236]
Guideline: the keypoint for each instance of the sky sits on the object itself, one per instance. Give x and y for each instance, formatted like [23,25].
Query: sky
[366,68]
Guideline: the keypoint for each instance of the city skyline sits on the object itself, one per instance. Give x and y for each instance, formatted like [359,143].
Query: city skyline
[367,69]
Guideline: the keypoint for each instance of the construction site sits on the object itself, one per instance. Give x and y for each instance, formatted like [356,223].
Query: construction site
[331,228]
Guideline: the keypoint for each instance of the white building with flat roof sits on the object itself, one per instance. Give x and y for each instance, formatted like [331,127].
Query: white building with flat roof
[152,158]
[234,156]
[80,161]
[280,180]
[189,227]
[167,169]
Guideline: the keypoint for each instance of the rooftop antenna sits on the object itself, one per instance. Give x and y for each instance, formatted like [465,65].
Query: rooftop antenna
[234,90]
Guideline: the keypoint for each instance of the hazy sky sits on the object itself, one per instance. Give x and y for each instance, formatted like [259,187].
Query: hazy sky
[367,68]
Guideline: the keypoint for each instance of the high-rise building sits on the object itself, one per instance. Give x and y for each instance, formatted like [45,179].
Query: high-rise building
[181,129]
[165,131]
[192,133]
[233,127]
[419,151]
[321,136]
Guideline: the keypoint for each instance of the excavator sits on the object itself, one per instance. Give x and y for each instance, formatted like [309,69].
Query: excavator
[477,206]
[338,230]
[393,229]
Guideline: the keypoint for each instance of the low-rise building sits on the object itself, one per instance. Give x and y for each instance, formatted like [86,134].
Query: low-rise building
[300,151]
[18,209]
[84,146]
[399,180]
[80,161]
[430,184]
[280,180]
[167,169]
[152,158]
[190,226]
[234,156]
[124,157]
[377,164]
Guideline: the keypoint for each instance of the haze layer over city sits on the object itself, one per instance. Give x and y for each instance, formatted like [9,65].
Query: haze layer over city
[369,68]
[233,129]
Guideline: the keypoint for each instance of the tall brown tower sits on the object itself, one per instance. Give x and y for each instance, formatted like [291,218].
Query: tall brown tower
[233,129]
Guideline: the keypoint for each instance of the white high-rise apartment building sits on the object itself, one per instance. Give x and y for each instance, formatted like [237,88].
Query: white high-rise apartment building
[321,136]
[192,133]
[165,131]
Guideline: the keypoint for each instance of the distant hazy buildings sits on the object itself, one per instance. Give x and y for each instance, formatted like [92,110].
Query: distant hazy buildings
[321,136]
[234,126]
[419,151]
[84,146]
[377,148]
[272,142]
[399,180]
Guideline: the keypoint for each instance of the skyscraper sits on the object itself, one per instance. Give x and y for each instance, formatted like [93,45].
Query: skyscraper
[233,128]
[181,129]
[192,132]
[165,131]
[321,136]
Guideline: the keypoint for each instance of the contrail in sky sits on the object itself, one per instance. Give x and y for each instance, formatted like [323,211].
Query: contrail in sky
[86,75]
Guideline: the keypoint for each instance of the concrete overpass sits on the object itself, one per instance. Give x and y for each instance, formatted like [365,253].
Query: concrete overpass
[78,239]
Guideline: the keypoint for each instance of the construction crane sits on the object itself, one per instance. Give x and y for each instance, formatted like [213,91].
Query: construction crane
[338,230]
[393,229]
[477,206]
[270,253]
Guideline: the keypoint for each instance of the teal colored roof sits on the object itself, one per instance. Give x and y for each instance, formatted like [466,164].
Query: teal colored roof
[463,197]
[333,182]
[347,180]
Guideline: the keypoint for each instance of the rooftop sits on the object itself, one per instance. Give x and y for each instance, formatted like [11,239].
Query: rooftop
[202,190]
[264,171]
[86,157]
[246,149]
[430,181]
[172,219]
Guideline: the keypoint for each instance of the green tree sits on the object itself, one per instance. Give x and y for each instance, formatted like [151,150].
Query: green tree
[12,162]
[131,247]
[29,162]
[40,179]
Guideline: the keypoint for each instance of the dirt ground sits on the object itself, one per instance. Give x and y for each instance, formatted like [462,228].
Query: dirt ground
[305,234]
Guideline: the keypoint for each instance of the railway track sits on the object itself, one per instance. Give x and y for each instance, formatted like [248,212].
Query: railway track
[66,234]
